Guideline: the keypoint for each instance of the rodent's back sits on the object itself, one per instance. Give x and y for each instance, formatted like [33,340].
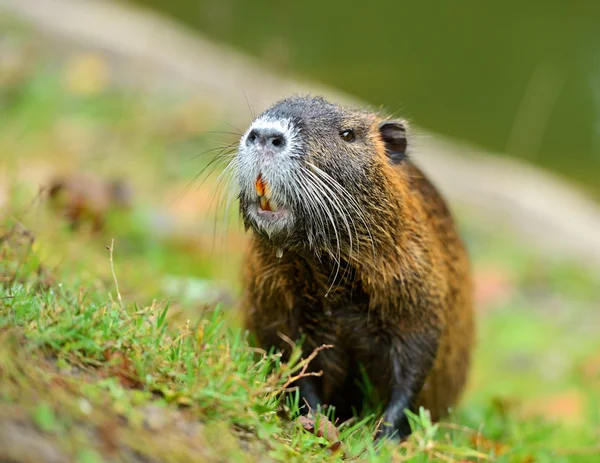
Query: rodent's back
[449,374]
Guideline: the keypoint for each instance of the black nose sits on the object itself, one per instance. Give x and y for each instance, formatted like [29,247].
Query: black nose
[266,138]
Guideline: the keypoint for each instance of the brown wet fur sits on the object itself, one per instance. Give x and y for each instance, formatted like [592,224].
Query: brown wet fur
[402,310]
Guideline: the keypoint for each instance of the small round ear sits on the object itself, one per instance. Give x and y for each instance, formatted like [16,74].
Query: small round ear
[393,134]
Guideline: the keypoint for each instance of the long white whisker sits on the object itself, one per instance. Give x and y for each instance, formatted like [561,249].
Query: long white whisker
[341,210]
[326,241]
[315,197]
[314,206]
[356,208]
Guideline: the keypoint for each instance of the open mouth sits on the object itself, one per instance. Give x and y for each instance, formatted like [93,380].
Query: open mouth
[263,190]
[267,214]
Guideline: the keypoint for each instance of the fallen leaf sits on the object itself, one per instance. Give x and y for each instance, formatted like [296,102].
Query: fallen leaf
[325,428]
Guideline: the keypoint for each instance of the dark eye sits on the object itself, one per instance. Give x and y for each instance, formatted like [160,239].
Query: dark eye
[347,135]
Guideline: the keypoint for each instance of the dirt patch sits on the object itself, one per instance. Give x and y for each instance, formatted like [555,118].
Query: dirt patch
[20,440]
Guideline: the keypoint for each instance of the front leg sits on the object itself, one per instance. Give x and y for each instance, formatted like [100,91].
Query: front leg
[411,360]
[310,398]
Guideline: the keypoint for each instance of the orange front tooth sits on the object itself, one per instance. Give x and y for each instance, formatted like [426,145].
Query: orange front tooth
[260,186]
[264,204]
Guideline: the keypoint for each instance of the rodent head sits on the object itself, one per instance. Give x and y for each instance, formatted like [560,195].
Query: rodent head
[315,174]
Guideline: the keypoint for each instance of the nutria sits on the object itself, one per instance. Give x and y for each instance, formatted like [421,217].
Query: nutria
[353,247]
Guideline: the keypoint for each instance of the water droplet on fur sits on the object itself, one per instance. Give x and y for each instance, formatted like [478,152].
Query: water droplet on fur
[279,253]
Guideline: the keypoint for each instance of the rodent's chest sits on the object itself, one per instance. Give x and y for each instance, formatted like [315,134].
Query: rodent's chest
[345,325]
[358,338]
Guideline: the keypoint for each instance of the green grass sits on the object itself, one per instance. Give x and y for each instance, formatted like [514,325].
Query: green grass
[73,359]
[158,372]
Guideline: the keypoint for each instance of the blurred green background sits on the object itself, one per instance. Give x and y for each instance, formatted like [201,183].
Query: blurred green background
[521,78]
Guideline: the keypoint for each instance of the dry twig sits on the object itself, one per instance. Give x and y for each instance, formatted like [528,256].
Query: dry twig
[304,366]
[112,268]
